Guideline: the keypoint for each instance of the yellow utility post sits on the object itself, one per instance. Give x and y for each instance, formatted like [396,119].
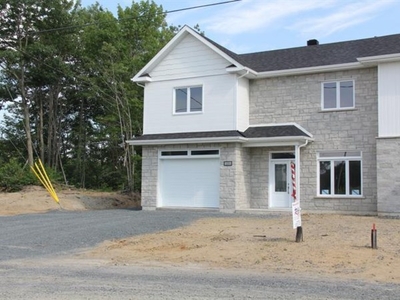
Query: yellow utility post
[41,174]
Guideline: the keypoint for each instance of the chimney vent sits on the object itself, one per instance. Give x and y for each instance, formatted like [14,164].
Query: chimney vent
[312,42]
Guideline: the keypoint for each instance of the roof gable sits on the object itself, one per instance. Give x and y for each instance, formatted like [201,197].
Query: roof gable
[300,60]
[143,74]
[189,58]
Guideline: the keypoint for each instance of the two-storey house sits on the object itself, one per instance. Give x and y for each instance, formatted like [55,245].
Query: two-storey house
[320,123]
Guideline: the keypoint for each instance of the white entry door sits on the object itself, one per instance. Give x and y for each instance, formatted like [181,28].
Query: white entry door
[280,184]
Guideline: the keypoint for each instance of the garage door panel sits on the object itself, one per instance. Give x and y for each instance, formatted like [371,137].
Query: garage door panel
[189,183]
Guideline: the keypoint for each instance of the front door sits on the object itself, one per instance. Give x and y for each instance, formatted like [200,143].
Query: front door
[280,184]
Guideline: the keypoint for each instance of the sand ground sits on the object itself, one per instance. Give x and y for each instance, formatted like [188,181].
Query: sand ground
[334,245]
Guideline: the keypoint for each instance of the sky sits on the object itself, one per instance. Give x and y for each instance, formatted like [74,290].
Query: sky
[259,25]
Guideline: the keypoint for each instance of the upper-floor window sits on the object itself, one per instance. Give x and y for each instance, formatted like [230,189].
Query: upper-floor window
[339,173]
[338,95]
[188,99]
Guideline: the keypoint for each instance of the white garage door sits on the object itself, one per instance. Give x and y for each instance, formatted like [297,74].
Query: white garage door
[189,182]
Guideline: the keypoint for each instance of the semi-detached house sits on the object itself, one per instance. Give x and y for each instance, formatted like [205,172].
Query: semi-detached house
[239,131]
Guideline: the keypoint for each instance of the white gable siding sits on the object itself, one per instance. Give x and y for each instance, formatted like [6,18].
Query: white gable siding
[389,99]
[242,104]
[219,108]
[188,59]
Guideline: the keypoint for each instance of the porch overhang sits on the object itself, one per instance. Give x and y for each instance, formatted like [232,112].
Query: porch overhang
[278,141]
[267,135]
[230,136]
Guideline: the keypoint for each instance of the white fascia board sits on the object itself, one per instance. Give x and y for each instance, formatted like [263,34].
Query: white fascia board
[162,53]
[301,71]
[215,49]
[242,71]
[171,44]
[277,141]
[187,141]
[303,129]
[247,142]
[374,60]
[283,124]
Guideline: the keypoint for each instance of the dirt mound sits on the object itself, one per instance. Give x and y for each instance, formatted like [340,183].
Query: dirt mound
[334,245]
[35,199]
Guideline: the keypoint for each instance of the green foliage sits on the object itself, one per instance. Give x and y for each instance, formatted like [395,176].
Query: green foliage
[78,104]
[14,176]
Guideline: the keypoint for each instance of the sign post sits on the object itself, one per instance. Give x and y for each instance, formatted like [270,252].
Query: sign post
[296,210]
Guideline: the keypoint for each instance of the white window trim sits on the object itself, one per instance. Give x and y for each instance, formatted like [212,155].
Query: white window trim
[187,112]
[189,153]
[340,158]
[338,95]
[278,159]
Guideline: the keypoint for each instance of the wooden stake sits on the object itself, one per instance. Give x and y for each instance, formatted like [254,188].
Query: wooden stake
[299,234]
[374,242]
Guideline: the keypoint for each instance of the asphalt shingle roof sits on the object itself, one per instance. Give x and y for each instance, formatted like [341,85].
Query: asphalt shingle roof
[316,55]
[251,132]
[274,131]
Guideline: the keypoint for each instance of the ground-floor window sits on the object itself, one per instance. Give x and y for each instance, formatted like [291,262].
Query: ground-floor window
[339,173]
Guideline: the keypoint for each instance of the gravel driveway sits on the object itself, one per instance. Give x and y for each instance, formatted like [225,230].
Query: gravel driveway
[58,232]
[36,262]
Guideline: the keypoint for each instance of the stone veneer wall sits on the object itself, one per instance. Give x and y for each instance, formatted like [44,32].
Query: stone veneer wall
[388,161]
[298,99]
[234,180]
[260,164]
[149,177]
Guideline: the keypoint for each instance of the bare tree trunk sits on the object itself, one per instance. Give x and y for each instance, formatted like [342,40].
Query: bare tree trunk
[26,115]
[50,129]
[41,138]
[81,146]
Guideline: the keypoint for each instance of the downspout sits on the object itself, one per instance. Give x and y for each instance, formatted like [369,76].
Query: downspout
[297,158]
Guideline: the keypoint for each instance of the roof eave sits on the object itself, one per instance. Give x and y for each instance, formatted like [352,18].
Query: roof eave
[375,60]
[242,71]
[142,79]
[228,139]
[247,142]
[277,141]
[308,70]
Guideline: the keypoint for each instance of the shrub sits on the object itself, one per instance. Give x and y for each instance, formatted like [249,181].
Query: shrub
[13,176]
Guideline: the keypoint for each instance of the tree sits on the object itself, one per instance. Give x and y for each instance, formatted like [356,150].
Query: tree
[22,50]
[67,71]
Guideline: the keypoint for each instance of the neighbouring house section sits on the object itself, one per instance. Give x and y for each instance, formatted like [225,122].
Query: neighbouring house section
[317,124]
[388,141]
[337,133]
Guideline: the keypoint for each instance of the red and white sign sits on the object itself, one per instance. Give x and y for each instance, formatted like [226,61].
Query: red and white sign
[296,204]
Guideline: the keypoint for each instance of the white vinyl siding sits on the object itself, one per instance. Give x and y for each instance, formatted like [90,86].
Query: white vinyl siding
[189,58]
[389,99]
[219,94]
